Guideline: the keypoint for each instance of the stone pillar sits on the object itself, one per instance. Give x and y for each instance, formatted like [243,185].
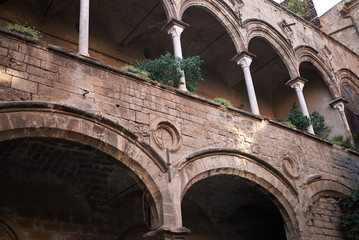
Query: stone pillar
[245,59]
[175,29]
[298,84]
[168,233]
[339,104]
[84,27]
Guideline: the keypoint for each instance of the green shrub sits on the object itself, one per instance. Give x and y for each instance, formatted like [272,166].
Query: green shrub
[301,8]
[165,70]
[339,140]
[350,219]
[223,101]
[296,118]
[31,32]
[319,126]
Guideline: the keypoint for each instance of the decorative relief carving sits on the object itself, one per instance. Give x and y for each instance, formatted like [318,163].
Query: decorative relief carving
[291,166]
[166,135]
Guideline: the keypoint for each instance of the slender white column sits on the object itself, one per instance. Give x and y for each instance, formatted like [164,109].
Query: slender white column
[339,104]
[176,31]
[245,59]
[84,27]
[298,85]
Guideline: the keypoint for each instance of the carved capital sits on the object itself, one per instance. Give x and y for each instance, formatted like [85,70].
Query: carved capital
[244,59]
[339,104]
[297,83]
[175,27]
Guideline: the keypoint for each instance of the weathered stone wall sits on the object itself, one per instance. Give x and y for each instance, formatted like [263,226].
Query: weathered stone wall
[293,166]
[336,19]
[324,218]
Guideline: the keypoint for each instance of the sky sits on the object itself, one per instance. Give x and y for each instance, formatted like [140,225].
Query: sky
[322,5]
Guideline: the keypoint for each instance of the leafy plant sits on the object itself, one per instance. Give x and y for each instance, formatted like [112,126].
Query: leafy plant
[134,69]
[296,118]
[223,101]
[29,31]
[319,126]
[350,219]
[301,8]
[339,140]
[165,69]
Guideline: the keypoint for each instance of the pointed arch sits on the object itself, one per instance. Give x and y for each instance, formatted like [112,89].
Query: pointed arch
[262,29]
[309,54]
[222,14]
[346,76]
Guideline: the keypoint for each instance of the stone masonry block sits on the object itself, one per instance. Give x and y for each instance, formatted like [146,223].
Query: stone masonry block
[5,79]
[32,61]
[36,71]
[24,85]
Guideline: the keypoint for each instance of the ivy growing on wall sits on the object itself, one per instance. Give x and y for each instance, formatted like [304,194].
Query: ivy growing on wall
[350,219]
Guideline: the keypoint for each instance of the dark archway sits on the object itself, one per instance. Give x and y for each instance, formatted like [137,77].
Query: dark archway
[207,38]
[270,74]
[229,207]
[71,190]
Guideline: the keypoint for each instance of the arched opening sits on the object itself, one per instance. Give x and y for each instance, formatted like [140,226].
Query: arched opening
[230,207]
[351,109]
[121,32]
[67,190]
[207,38]
[269,74]
[318,96]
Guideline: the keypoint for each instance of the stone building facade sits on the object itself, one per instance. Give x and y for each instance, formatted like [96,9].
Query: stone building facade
[89,151]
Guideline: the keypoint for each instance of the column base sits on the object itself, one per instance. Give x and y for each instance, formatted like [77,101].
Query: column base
[182,87]
[168,233]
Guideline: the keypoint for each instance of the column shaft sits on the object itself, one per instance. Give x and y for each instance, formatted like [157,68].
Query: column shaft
[250,89]
[84,27]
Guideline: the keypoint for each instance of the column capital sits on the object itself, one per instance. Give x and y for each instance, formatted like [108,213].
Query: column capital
[297,83]
[175,27]
[243,58]
[338,104]
[168,233]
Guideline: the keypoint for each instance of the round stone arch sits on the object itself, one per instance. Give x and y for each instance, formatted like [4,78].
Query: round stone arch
[31,120]
[211,162]
[308,54]
[262,29]
[221,14]
[317,191]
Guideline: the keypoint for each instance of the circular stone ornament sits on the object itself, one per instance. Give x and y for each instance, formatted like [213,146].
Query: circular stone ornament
[291,166]
[165,135]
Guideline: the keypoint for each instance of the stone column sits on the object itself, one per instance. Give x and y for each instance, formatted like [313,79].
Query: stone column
[339,104]
[245,59]
[84,27]
[168,233]
[175,29]
[298,84]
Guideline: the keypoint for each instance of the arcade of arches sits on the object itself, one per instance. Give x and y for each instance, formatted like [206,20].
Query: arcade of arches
[88,151]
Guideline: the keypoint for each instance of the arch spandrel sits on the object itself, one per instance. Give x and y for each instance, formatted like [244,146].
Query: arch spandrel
[262,29]
[308,54]
[222,14]
[197,167]
[58,122]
